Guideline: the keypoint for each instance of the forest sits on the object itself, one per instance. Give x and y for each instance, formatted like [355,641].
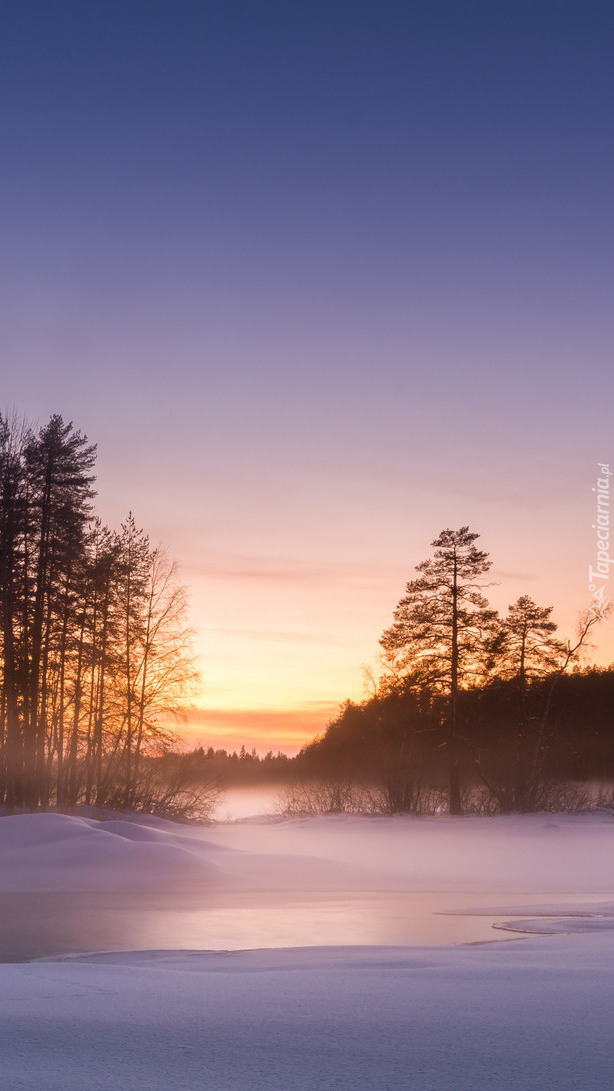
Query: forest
[472,711]
[390,754]
[95,647]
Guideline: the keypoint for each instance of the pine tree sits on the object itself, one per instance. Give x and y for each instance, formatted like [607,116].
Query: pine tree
[527,651]
[441,631]
[58,463]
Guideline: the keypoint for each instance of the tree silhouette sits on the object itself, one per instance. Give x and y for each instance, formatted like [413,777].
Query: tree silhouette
[58,463]
[12,520]
[525,650]
[94,648]
[442,630]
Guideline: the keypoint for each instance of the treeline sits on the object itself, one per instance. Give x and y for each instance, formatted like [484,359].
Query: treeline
[94,650]
[226,768]
[474,710]
[389,754]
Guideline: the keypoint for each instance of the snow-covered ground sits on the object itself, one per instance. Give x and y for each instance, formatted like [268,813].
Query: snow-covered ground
[326,1011]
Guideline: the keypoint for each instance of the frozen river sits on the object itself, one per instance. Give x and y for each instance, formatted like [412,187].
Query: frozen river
[298,954]
[74,885]
[52,923]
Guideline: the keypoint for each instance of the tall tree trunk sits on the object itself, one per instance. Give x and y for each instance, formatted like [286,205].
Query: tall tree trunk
[456,807]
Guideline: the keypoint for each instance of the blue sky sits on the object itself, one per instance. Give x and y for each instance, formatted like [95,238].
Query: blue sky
[320,279]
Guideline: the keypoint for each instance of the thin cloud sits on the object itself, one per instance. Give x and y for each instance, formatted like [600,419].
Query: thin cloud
[282,636]
[501,574]
[264,729]
[284,570]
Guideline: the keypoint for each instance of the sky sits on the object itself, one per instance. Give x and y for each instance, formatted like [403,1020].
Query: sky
[320,278]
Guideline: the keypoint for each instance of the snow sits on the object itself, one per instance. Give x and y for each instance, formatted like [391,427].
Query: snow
[510,853]
[520,1014]
[533,1014]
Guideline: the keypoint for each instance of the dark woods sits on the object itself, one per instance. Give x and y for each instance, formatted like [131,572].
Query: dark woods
[474,712]
[390,754]
[95,654]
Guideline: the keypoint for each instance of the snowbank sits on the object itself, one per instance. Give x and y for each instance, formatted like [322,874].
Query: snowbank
[536,853]
[529,1015]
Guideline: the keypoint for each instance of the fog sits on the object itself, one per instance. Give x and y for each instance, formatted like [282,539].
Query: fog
[246,802]
[266,881]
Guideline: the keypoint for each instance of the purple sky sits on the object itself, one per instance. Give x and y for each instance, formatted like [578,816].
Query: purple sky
[320,279]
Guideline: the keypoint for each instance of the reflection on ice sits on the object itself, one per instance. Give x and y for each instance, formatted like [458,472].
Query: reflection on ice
[74,884]
[49,924]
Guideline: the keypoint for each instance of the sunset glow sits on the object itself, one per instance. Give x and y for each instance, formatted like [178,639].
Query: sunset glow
[317,288]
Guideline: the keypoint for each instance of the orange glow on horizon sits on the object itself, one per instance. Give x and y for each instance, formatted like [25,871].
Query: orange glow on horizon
[261,729]
[284,637]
